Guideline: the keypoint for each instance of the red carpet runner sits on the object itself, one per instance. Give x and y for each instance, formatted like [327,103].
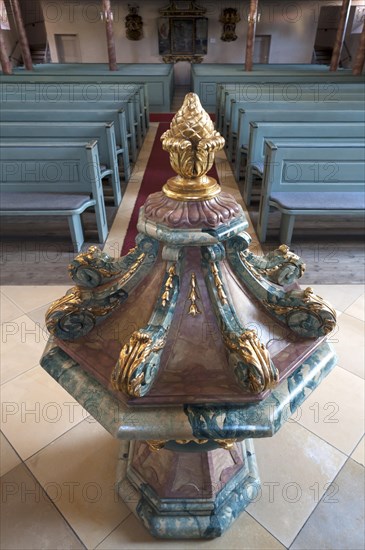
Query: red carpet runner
[158,170]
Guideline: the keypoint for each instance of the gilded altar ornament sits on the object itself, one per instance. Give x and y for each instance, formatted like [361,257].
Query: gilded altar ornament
[191,142]
[262,374]
[193,297]
[133,354]
[134,24]
[229,17]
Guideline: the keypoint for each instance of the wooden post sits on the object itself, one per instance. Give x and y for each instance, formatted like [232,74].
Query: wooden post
[4,58]
[251,34]
[22,35]
[360,54]
[107,12]
[340,36]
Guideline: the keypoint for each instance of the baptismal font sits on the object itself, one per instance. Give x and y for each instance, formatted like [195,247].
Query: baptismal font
[190,345]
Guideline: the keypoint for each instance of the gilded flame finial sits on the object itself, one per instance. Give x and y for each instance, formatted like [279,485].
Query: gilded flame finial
[191,142]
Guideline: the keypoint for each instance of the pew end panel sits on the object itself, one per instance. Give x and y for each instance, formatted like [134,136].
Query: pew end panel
[320,178]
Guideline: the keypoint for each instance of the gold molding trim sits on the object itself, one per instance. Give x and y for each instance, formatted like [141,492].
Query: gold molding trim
[168,285]
[219,285]
[158,444]
[193,297]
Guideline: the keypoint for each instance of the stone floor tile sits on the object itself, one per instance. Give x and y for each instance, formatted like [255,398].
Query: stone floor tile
[357,309]
[36,410]
[338,520]
[348,341]
[8,457]
[38,315]
[335,410]
[32,297]
[29,520]
[295,467]
[340,296]
[79,469]
[22,345]
[244,533]
[359,452]
[8,310]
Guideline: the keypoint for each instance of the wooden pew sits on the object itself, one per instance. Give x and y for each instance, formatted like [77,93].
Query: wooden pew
[230,124]
[274,131]
[58,174]
[157,78]
[279,91]
[206,76]
[87,92]
[246,116]
[74,106]
[76,131]
[311,178]
[82,115]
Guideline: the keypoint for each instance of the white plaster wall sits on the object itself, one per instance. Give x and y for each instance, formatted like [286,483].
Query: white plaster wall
[292,26]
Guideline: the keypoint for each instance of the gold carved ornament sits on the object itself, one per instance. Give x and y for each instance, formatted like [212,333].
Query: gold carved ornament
[169,285]
[73,302]
[262,374]
[312,304]
[191,142]
[135,352]
[193,297]
[88,259]
[269,272]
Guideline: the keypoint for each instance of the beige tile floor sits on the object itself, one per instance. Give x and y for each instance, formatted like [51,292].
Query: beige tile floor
[58,464]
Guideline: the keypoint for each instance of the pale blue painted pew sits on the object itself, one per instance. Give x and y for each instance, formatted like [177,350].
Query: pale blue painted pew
[130,101]
[158,78]
[87,92]
[54,172]
[274,131]
[311,178]
[81,115]
[206,76]
[230,122]
[73,106]
[246,116]
[76,131]
[277,91]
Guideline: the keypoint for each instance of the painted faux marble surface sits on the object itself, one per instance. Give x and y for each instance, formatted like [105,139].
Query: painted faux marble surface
[201,422]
